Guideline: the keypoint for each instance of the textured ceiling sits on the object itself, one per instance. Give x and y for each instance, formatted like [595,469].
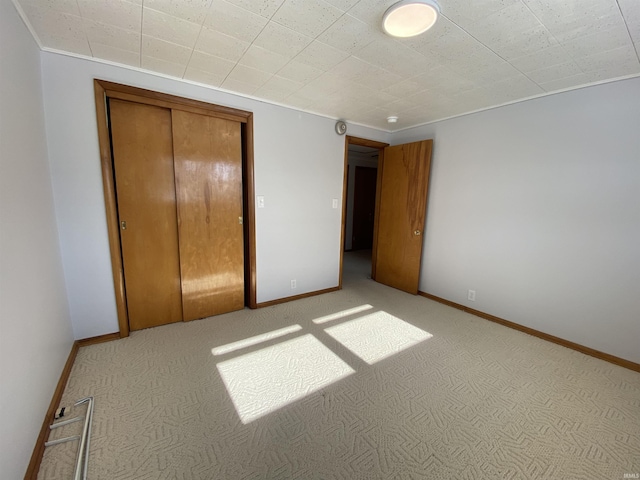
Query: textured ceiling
[331,57]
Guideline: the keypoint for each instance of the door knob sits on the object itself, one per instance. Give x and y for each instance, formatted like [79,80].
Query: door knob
[417,233]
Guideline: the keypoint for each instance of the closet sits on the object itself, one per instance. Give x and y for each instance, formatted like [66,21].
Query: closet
[178,194]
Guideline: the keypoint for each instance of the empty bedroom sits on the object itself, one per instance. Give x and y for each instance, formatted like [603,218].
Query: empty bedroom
[331,239]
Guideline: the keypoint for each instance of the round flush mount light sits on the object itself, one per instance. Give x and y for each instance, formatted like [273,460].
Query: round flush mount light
[409,18]
[392,119]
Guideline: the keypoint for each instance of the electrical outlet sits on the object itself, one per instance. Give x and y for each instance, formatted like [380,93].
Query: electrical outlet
[471,295]
[293,284]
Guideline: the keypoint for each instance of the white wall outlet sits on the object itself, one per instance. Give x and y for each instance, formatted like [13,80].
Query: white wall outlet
[293,284]
[334,203]
[260,201]
[471,295]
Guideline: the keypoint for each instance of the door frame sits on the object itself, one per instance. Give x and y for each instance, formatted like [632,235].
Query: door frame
[103,91]
[349,140]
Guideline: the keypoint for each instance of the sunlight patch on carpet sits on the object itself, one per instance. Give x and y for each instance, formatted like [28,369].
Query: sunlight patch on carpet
[377,336]
[342,314]
[266,380]
[251,341]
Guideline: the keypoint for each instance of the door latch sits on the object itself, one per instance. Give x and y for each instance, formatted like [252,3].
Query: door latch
[123,225]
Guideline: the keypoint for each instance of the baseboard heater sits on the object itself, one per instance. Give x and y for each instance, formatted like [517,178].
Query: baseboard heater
[82,458]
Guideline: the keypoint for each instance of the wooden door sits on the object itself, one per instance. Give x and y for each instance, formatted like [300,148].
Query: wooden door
[364,206]
[401,216]
[208,168]
[143,163]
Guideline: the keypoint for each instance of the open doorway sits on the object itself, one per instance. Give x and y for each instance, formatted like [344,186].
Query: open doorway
[362,161]
[402,189]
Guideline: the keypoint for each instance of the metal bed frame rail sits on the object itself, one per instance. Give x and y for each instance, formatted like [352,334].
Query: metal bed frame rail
[82,458]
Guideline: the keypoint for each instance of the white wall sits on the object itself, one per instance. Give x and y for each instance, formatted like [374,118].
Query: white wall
[355,160]
[35,331]
[536,206]
[299,163]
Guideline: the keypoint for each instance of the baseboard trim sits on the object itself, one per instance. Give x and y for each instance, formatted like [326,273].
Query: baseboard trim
[296,297]
[38,451]
[108,337]
[536,333]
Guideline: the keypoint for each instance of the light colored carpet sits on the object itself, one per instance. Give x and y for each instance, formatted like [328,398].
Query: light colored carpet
[364,383]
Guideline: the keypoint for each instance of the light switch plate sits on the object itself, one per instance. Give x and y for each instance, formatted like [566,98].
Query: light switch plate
[260,201]
[335,203]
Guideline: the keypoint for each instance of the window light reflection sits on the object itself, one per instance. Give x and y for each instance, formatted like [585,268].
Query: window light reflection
[377,336]
[248,342]
[342,314]
[266,380]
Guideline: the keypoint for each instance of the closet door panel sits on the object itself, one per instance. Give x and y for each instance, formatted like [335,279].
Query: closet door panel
[208,169]
[145,188]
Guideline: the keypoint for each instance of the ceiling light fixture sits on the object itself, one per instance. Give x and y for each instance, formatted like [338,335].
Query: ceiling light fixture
[392,119]
[409,18]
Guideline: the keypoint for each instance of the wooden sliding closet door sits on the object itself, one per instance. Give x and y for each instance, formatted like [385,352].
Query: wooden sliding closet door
[145,190]
[208,169]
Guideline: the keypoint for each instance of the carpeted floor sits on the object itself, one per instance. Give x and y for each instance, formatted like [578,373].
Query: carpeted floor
[364,383]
